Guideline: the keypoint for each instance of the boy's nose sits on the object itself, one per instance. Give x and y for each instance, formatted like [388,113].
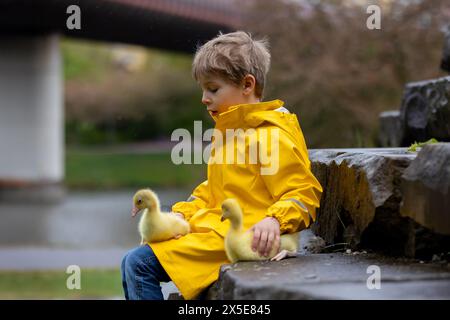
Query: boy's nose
[205,100]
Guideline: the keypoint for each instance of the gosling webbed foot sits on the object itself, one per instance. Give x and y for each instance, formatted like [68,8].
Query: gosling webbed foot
[283,254]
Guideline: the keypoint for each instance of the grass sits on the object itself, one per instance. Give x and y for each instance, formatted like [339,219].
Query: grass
[95,170]
[95,284]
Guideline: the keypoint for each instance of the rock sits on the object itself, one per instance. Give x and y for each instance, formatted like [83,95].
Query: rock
[424,114]
[425,111]
[361,198]
[425,187]
[175,296]
[310,243]
[337,276]
[390,133]
[361,205]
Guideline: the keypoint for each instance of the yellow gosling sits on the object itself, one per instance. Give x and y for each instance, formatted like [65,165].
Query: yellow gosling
[156,226]
[238,242]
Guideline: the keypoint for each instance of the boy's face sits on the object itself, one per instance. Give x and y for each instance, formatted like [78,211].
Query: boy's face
[219,94]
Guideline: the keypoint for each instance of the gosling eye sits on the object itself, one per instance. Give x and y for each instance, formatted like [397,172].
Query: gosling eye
[139,201]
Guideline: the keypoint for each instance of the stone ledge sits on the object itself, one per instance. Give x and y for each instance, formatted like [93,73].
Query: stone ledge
[331,276]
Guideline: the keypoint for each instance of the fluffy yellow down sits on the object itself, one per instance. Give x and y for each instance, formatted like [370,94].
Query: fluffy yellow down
[238,242]
[156,226]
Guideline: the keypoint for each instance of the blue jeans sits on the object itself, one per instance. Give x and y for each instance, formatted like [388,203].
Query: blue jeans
[142,274]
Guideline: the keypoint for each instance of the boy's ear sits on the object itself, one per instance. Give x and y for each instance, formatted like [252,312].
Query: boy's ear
[249,83]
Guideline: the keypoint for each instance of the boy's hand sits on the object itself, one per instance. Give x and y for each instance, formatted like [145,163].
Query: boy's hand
[266,234]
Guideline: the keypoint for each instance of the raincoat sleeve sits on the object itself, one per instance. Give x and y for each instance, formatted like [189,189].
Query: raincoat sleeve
[293,187]
[197,201]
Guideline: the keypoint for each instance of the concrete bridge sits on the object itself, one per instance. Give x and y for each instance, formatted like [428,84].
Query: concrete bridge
[31,76]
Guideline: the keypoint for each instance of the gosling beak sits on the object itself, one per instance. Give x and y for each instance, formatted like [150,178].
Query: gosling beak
[134,211]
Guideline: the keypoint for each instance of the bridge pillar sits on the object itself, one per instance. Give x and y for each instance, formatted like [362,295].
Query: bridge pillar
[31,117]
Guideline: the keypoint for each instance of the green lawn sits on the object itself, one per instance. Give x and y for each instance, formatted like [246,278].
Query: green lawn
[98,170]
[95,284]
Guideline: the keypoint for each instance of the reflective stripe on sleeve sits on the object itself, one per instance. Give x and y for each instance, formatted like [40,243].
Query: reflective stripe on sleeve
[191,198]
[302,205]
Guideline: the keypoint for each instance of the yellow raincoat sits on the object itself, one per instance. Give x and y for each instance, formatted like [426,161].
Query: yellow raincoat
[291,194]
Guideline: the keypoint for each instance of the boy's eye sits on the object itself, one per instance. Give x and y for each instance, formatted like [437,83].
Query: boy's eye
[213,90]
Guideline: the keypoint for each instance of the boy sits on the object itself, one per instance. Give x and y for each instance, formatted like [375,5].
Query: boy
[231,70]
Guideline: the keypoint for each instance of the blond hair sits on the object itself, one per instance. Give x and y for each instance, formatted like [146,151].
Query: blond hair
[232,56]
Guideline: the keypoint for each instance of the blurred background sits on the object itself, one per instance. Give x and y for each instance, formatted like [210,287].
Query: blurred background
[86,114]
